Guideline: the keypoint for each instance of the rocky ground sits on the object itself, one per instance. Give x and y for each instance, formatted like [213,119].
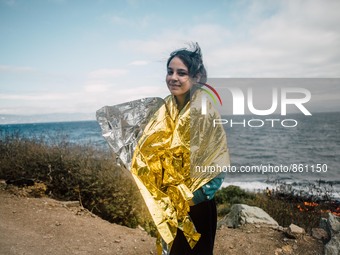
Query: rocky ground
[46,226]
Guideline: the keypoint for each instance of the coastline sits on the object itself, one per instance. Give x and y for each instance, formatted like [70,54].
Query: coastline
[299,185]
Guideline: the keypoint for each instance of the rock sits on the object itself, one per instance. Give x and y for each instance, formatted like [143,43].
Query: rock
[287,249]
[241,214]
[332,226]
[280,228]
[294,231]
[325,226]
[320,234]
[278,251]
[2,184]
[70,204]
[333,222]
[333,246]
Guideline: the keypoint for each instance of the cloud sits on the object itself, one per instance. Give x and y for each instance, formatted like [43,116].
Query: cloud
[35,97]
[299,40]
[97,87]
[128,20]
[139,63]
[116,96]
[165,42]
[285,39]
[101,80]
[15,69]
[243,39]
[117,20]
[107,73]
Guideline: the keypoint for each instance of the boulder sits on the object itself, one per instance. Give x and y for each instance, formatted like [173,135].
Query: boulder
[334,223]
[333,246]
[294,231]
[241,214]
[333,226]
[320,234]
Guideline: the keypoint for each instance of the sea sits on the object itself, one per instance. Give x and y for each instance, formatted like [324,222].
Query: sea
[297,150]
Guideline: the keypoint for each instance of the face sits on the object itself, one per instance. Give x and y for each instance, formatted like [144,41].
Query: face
[177,78]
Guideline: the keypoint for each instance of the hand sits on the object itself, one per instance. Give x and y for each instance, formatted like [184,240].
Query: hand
[191,203]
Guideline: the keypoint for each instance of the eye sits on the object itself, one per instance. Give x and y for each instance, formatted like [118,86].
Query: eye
[170,72]
[181,73]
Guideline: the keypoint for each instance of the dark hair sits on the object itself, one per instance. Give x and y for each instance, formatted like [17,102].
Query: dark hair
[192,58]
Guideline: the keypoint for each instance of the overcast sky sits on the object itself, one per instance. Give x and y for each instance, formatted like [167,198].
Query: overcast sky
[63,56]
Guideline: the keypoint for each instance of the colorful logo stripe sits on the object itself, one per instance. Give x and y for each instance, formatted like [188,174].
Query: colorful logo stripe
[210,94]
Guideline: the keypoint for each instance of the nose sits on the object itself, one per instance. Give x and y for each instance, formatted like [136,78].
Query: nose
[173,76]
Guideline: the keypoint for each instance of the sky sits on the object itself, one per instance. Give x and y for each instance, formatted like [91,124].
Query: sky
[73,56]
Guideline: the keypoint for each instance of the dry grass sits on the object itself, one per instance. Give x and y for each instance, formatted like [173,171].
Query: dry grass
[75,172]
[283,206]
[82,172]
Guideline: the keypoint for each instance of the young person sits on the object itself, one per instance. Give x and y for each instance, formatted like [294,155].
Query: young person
[168,146]
[185,74]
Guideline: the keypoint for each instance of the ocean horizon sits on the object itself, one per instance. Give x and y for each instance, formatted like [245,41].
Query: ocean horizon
[309,152]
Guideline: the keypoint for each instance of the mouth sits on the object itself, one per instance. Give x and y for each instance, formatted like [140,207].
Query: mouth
[174,86]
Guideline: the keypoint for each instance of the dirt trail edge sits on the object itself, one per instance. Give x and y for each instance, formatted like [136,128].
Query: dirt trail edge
[40,226]
[46,226]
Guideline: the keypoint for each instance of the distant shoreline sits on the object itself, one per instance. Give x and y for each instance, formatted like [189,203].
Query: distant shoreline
[46,122]
[13,119]
[259,186]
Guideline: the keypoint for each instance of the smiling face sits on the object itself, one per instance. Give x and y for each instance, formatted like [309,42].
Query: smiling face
[178,79]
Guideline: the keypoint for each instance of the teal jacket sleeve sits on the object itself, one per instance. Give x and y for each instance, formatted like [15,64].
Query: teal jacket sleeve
[207,191]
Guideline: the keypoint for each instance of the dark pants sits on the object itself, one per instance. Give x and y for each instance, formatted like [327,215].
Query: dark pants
[204,216]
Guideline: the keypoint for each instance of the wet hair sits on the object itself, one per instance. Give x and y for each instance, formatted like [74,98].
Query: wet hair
[192,59]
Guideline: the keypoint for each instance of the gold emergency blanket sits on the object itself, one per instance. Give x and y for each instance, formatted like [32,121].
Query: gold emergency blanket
[171,151]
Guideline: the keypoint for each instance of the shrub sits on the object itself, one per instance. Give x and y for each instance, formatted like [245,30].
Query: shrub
[227,196]
[283,206]
[75,172]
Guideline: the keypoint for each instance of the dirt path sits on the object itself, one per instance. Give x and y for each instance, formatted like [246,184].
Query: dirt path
[34,226]
[46,226]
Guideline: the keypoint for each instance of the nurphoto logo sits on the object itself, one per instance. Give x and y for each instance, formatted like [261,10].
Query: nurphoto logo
[204,97]
[243,104]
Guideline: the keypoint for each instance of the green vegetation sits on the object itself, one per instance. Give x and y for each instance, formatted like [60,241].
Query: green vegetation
[81,172]
[286,206]
[75,172]
[230,195]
